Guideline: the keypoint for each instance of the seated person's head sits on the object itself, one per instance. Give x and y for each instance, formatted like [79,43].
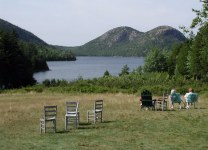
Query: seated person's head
[190,90]
[172,91]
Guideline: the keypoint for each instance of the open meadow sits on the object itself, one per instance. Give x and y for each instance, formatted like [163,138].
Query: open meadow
[124,126]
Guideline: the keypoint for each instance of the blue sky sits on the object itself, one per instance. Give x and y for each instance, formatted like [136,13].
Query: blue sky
[76,22]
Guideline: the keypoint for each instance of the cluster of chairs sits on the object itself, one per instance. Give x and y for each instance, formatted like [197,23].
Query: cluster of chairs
[72,116]
[148,102]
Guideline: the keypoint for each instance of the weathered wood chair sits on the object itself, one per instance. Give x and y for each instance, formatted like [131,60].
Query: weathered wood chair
[176,98]
[191,99]
[161,103]
[97,113]
[146,100]
[48,121]
[72,114]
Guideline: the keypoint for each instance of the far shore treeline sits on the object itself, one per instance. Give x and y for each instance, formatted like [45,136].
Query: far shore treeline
[181,66]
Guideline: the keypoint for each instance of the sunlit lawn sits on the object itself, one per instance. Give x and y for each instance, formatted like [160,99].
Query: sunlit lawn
[124,126]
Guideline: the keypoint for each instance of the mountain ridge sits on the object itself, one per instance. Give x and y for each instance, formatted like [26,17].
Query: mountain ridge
[126,41]
[22,33]
[119,41]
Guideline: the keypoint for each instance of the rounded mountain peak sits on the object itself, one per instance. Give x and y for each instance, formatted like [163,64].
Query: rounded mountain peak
[166,31]
[119,35]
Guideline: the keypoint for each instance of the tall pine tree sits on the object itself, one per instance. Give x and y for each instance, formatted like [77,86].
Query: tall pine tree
[16,70]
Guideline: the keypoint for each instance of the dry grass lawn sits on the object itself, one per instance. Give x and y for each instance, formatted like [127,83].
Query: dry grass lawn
[124,127]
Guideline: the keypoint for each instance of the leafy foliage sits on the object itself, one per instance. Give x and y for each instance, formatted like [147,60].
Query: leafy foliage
[131,83]
[156,61]
[201,15]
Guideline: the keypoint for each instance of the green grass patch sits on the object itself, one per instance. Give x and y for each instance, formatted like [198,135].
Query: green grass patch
[124,126]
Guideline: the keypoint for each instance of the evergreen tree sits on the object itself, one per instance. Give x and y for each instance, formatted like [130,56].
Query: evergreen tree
[124,70]
[106,74]
[182,60]
[199,54]
[16,70]
[171,60]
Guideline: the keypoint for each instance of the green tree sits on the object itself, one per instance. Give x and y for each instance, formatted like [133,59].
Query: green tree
[199,21]
[124,70]
[156,61]
[199,54]
[171,60]
[182,60]
[106,74]
[201,15]
[15,68]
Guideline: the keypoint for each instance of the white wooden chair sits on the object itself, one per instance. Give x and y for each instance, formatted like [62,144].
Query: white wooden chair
[72,114]
[48,121]
[97,113]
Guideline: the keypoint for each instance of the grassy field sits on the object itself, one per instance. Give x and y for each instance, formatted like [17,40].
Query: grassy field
[124,126]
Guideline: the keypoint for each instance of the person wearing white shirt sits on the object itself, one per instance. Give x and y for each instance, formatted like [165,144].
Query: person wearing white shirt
[190,91]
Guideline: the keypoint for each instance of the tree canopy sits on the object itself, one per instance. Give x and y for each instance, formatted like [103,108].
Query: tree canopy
[16,69]
[189,59]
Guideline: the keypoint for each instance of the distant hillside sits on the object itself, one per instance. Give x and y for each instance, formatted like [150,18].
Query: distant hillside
[126,41]
[23,34]
[33,48]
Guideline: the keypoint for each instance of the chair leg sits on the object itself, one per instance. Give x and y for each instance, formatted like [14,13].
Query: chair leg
[95,118]
[66,120]
[78,118]
[101,118]
[44,126]
[88,117]
[54,122]
[75,121]
[40,127]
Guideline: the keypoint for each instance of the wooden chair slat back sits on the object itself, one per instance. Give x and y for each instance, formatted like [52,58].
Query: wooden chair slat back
[98,105]
[50,111]
[72,106]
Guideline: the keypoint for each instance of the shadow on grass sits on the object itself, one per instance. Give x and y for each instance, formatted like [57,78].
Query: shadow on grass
[92,125]
[84,126]
[63,131]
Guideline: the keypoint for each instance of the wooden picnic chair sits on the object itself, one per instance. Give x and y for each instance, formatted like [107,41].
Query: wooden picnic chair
[176,98]
[72,114]
[97,113]
[191,99]
[161,102]
[48,121]
[146,100]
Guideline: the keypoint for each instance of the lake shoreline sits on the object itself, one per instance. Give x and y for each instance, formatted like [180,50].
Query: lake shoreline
[87,67]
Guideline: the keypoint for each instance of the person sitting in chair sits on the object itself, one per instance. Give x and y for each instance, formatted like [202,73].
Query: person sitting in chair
[190,91]
[171,93]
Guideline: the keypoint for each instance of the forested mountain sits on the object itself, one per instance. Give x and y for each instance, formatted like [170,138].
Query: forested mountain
[126,41]
[35,48]
[39,48]
[22,34]
[22,53]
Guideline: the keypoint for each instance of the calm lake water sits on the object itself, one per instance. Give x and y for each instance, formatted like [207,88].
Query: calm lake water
[88,67]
